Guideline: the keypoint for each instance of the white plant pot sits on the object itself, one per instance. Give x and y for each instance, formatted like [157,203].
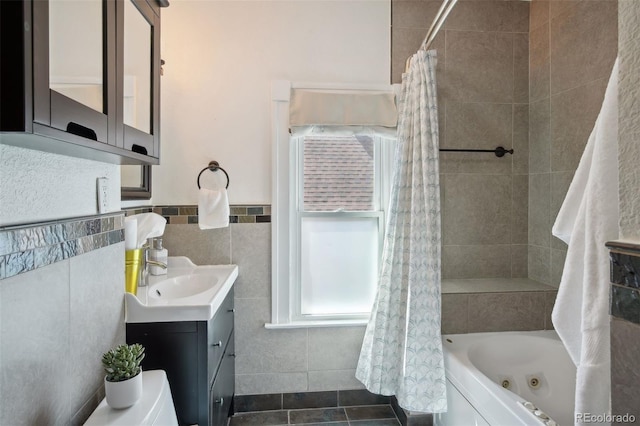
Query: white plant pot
[123,394]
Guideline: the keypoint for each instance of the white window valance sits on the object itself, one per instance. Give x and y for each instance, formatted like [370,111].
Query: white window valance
[342,108]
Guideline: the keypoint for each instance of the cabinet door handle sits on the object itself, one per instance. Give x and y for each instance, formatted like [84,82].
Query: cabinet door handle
[80,130]
[231,310]
[232,355]
[220,401]
[219,343]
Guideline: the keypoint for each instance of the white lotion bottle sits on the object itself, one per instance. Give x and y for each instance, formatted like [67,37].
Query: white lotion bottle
[158,254]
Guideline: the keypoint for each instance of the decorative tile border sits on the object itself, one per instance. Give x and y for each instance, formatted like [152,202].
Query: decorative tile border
[625,281]
[25,248]
[182,215]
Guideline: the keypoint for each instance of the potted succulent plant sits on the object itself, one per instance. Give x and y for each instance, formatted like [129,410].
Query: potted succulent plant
[123,382]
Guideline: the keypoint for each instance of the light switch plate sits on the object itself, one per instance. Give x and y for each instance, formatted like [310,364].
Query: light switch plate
[103,194]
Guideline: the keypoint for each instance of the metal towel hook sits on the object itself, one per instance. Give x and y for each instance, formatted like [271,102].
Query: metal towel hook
[214,166]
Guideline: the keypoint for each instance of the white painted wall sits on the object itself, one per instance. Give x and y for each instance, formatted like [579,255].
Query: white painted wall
[38,186]
[221,57]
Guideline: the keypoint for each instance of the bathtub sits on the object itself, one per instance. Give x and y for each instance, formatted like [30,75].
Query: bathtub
[507,379]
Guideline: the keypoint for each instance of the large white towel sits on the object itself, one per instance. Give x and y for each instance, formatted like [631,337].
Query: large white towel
[587,219]
[213,208]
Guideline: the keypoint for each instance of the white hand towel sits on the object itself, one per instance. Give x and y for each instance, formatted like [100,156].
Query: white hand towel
[213,208]
[587,219]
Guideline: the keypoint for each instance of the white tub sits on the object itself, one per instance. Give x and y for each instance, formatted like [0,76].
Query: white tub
[534,365]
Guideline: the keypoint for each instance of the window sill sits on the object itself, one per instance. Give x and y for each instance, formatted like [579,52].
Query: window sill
[316,324]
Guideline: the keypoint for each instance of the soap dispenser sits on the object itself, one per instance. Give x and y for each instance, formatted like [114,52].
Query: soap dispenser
[158,254]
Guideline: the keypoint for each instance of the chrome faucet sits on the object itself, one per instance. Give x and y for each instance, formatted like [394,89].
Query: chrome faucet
[144,271]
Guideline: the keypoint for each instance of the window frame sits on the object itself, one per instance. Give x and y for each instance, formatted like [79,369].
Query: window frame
[284,241]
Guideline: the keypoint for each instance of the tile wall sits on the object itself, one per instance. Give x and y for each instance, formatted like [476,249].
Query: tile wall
[483,52]
[323,359]
[573,45]
[61,308]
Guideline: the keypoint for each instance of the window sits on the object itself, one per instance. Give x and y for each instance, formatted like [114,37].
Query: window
[338,225]
[328,215]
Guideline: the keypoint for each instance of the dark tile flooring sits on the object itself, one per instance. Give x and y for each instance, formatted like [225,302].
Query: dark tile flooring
[363,415]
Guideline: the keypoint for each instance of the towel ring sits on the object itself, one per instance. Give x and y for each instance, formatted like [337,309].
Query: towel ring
[214,166]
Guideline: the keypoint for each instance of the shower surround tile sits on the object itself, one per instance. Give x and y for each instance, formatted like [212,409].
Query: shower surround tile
[484,64]
[594,24]
[470,204]
[490,15]
[507,312]
[570,127]
[478,261]
[539,71]
[540,136]
[539,205]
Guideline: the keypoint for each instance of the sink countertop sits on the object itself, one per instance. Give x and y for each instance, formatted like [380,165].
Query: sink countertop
[211,284]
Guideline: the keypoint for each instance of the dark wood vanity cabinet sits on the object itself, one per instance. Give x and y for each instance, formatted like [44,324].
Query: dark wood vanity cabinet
[199,359]
[63,81]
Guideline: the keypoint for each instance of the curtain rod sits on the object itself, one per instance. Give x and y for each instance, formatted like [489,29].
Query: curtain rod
[499,151]
[441,16]
[438,21]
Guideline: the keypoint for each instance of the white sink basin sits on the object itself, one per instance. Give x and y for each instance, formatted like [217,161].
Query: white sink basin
[187,293]
[180,287]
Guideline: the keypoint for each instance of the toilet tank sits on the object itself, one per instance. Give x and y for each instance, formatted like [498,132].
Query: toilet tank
[155,407]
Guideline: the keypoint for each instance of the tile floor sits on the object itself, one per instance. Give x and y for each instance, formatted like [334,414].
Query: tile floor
[363,415]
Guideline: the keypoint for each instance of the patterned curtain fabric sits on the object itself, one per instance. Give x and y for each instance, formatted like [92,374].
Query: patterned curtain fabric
[402,349]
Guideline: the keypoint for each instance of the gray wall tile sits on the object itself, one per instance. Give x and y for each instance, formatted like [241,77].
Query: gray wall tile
[538,14]
[203,247]
[519,261]
[583,42]
[483,64]
[335,348]
[521,65]
[540,136]
[478,125]
[550,301]
[520,209]
[558,257]
[251,251]
[256,384]
[35,360]
[506,312]
[455,313]
[540,264]
[414,14]
[539,70]
[560,182]
[259,350]
[481,261]
[95,327]
[487,15]
[571,126]
[539,205]
[475,209]
[334,380]
[520,160]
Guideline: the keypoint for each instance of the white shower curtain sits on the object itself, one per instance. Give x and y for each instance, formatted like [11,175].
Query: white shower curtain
[402,349]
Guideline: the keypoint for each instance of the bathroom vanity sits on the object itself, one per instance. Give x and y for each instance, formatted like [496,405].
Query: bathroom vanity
[186,325]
